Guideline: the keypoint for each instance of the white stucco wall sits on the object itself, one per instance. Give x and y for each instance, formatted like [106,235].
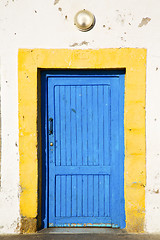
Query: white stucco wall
[42,24]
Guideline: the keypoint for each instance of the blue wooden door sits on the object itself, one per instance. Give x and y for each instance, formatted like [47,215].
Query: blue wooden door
[86,150]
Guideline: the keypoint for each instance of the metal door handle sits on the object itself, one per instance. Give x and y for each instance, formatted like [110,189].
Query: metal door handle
[50,126]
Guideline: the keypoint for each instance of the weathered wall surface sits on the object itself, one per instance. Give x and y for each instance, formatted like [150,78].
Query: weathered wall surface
[49,24]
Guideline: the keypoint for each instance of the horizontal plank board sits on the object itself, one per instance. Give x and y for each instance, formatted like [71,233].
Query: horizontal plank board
[82,170]
[83,220]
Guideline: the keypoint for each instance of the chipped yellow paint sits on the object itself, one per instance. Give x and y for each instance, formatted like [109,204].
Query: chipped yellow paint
[134,61]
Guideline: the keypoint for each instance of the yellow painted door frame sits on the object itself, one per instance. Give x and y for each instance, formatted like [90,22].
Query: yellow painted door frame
[30,61]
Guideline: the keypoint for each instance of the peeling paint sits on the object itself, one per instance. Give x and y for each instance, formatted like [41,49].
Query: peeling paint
[18,226]
[121,18]
[56,1]
[79,44]
[138,184]
[154,191]
[123,39]
[73,110]
[8,2]
[28,225]
[144,21]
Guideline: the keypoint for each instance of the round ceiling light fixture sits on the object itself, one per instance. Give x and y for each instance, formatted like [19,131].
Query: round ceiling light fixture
[84,20]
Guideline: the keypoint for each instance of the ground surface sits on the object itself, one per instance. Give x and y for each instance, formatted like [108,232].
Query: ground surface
[81,236]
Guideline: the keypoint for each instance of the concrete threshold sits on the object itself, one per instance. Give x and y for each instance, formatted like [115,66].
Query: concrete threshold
[81,230]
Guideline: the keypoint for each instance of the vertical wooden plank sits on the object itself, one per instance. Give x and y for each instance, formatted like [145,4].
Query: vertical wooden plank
[101,195]
[106,195]
[62,124]
[73,125]
[85,196]
[90,195]
[57,124]
[74,196]
[68,196]
[79,197]
[95,126]
[100,127]
[96,196]
[63,196]
[68,125]
[84,124]
[107,126]
[90,124]
[58,196]
[79,124]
